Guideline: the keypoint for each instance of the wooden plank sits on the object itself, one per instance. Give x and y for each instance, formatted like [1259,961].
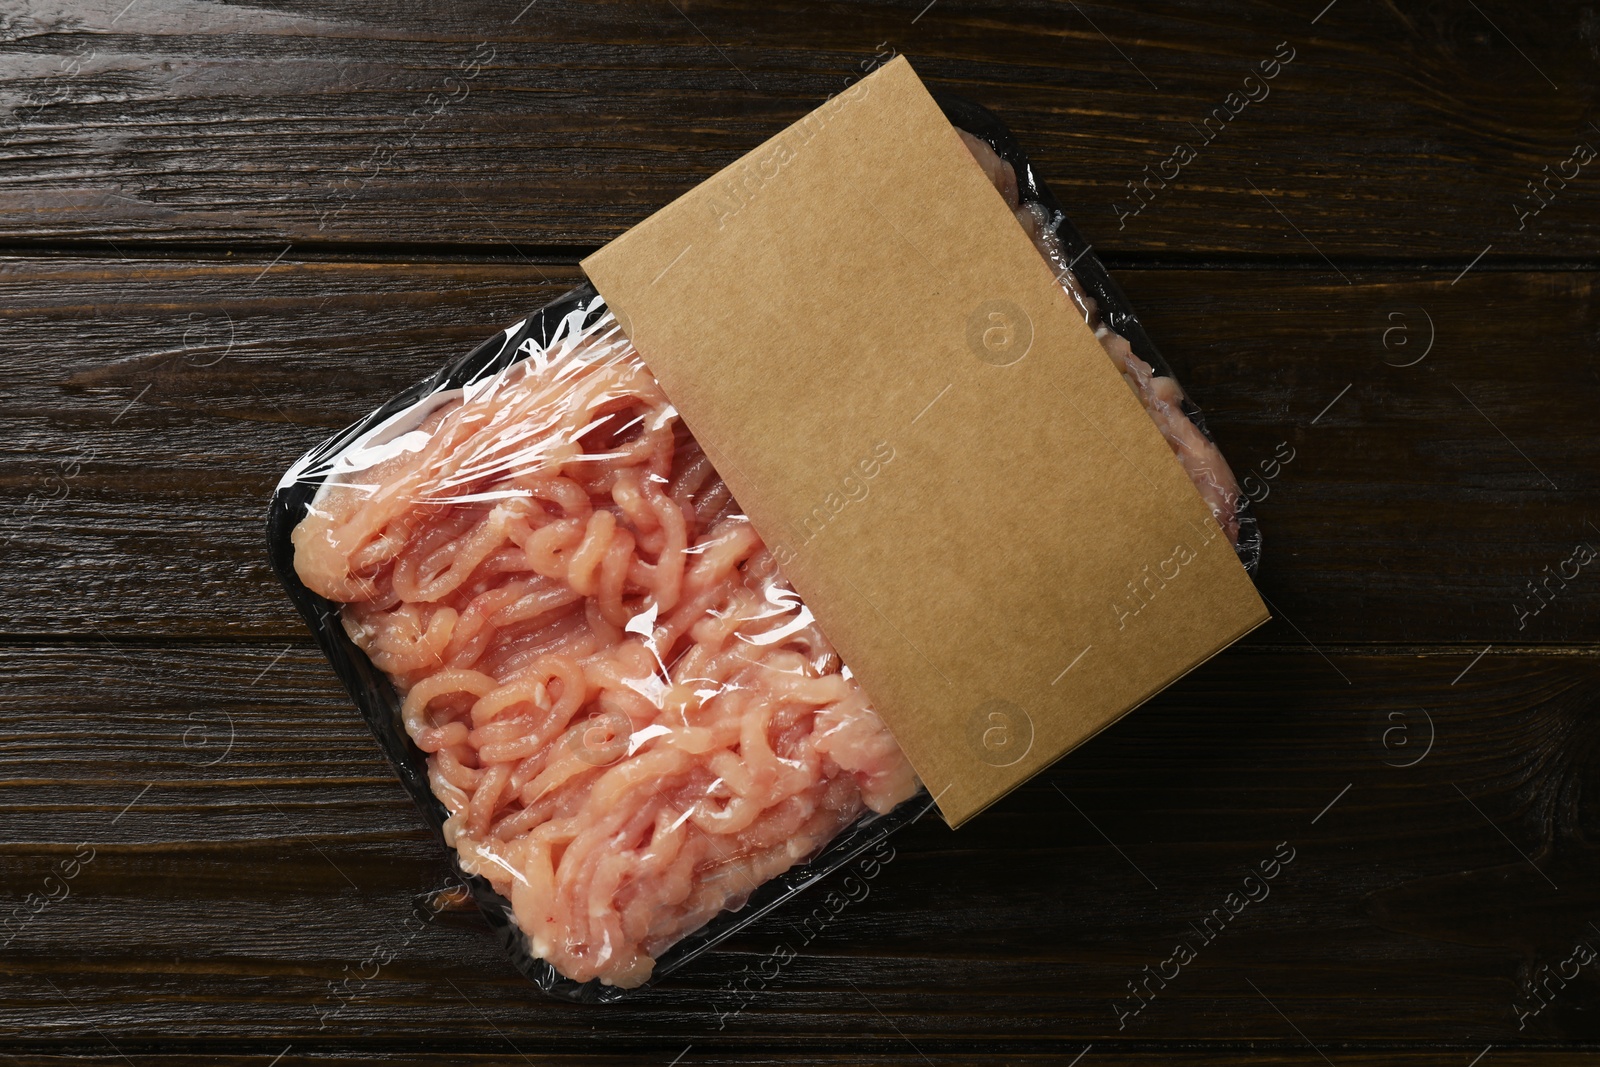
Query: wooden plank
[1433,870]
[152,405]
[1390,132]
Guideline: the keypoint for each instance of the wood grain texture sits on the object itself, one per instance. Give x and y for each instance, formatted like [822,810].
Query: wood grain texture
[1396,129]
[232,883]
[227,230]
[155,403]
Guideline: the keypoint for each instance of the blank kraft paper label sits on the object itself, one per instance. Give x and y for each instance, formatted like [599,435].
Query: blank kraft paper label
[950,470]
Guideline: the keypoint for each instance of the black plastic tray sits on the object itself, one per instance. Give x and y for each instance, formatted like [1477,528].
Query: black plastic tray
[379,705]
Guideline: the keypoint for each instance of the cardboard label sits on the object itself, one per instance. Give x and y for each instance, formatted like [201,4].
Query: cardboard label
[950,470]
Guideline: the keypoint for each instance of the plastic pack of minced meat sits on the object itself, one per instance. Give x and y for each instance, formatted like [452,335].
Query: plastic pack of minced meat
[580,657]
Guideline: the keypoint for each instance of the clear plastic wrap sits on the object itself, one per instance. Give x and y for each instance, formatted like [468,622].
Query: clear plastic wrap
[579,656]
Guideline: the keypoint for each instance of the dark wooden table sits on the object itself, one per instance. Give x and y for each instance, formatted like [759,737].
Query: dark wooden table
[226,230]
